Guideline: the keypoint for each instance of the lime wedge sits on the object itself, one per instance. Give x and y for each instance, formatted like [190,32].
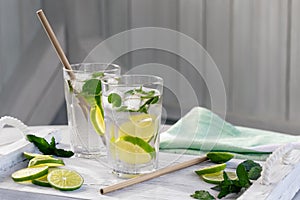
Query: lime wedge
[97,120]
[42,161]
[29,156]
[29,173]
[216,178]
[142,125]
[211,169]
[219,157]
[64,179]
[133,150]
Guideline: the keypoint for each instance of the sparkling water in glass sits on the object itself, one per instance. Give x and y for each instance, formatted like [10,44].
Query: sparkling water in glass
[132,107]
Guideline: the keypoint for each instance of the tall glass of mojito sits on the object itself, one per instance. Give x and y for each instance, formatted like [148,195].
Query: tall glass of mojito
[83,93]
[132,106]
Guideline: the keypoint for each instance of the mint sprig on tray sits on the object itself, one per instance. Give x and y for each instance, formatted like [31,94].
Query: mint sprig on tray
[48,148]
[245,172]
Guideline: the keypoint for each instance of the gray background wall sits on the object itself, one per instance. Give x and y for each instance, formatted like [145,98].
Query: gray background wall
[254,43]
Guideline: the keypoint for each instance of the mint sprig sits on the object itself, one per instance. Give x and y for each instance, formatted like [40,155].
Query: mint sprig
[245,171]
[140,91]
[48,149]
[116,100]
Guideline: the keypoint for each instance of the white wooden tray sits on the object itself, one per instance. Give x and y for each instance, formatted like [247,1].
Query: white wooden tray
[280,178]
[13,142]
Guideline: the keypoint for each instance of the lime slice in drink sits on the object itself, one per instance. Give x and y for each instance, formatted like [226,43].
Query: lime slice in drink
[211,169]
[64,179]
[41,161]
[133,150]
[216,178]
[219,157]
[29,173]
[29,156]
[141,125]
[97,120]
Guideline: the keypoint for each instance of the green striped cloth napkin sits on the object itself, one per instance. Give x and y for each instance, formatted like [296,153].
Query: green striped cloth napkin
[201,131]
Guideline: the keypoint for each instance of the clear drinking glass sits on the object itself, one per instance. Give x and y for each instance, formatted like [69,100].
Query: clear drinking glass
[132,106]
[85,111]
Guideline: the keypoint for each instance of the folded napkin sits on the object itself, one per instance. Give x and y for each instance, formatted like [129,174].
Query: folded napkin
[201,131]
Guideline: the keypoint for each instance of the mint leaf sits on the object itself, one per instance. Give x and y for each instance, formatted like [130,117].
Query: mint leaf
[202,195]
[70,86]
[154,100]
[63,153]
[255,172]
[40,143]
[131,92]
[114,99]
[145,107]
[242,175]
[141,92]
[248,164]
[148,95]
[52,143]
[253,169]
[91,87]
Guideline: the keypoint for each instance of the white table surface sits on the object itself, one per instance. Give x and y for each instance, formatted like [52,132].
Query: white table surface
[177,185]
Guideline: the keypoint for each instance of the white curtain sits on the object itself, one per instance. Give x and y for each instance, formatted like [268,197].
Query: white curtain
[254,43]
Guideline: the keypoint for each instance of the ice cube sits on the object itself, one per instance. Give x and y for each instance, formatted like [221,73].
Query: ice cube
[133,102]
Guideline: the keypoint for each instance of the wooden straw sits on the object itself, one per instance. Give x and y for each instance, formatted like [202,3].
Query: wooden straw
[55,42]
[61,55]
[152,175]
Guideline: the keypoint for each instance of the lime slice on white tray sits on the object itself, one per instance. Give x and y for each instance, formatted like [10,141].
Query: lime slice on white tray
[64,179]
[133,150]
[142,125]
[97,120]
[216,178]
[29,173]
[44,161]
[211,169]
[42,181]
[219,157]
[29,156]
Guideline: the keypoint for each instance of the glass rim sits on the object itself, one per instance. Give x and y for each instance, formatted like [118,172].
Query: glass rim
[116,67]
[158,80]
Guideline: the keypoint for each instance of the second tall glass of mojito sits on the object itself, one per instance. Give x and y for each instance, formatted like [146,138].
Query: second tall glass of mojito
[132,106]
